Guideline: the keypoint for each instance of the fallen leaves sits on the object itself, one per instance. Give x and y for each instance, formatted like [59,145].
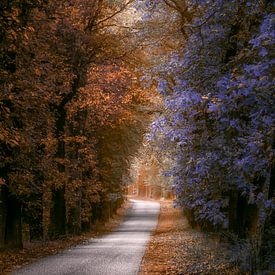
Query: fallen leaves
[175,248]
[14,258]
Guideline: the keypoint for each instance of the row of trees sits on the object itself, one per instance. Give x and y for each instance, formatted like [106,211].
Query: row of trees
[218,121]
[69,116]
[147,179]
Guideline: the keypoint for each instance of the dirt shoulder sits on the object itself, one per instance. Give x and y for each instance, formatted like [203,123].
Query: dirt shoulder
[15,258]
[175,248]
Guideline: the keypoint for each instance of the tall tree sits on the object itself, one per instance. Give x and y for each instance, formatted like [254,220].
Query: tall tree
[218,114]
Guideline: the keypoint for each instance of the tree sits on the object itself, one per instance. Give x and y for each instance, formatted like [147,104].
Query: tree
[55,111]
[218,115]
[17,128]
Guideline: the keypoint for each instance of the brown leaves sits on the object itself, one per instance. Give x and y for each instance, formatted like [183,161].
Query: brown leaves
[13,258]
[63,108]
[161,248]
[175,248]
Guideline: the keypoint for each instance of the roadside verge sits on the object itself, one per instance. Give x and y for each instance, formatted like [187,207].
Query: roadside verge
[176,248]
[13,259]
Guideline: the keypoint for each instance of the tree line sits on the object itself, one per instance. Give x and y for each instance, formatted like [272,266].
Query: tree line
[217,127]
[69,116]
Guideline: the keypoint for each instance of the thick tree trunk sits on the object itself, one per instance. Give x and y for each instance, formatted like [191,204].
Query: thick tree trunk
[36,226]
[266,243]
[33,218]
[58,214]
[74,216]
[3,216]
[11,227]
[232,212]
[13,234]
[58,211]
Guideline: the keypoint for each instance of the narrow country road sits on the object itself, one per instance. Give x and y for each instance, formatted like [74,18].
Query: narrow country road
[117,253]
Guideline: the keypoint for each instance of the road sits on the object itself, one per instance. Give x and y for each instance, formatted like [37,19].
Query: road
[119,252]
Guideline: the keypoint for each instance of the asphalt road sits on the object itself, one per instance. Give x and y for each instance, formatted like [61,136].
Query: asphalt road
[117,253]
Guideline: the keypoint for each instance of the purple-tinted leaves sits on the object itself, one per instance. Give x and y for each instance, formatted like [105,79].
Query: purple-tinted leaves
[217,117]
[263,52]
[163,87]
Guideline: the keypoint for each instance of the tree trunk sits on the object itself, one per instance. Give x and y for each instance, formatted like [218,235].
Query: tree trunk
[58,214]
[3,216]
[232,212]
[13,234]
[74,215]
[58,211]
[11,227]
[36,227]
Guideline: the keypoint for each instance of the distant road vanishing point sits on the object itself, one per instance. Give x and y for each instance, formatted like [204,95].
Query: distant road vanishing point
[118,253]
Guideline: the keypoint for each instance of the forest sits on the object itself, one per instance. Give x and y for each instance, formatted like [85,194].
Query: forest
[87,86]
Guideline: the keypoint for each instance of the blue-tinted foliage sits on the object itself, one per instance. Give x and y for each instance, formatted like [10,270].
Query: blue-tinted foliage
[219,108]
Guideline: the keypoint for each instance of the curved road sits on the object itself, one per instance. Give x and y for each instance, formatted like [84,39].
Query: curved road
[117,253]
